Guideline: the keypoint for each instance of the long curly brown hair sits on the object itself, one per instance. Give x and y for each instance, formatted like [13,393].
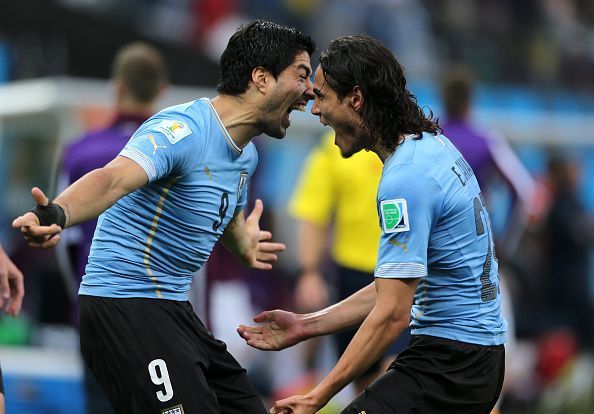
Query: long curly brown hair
[389,110]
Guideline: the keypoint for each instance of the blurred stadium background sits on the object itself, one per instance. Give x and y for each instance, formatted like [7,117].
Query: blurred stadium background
[534,63]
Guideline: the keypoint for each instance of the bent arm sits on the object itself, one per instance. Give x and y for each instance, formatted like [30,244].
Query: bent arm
[235,238]
[348,313]
[98,190]
[281,329]
[388,318]
[244,239]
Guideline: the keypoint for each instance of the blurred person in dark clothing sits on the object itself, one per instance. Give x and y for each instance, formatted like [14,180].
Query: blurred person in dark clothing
[569,234]
[139,76]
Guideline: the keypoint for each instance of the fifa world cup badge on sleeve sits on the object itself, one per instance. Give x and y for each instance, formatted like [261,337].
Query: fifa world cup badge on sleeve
[394,216]
[174,130]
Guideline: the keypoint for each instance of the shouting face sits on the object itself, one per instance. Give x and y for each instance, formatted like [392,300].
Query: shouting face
[291,90]
[341,114]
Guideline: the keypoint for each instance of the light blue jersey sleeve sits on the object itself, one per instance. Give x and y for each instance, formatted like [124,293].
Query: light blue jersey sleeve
[166,144]
[408,203]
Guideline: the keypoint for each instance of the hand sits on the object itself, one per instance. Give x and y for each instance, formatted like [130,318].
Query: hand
[297,404]
[281,330]
[260,254]
[35,234]
[311,292]
[12,288]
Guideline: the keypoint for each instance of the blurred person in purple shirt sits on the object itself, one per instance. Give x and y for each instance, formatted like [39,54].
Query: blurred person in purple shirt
[139,76]
[489,155]
[493,161]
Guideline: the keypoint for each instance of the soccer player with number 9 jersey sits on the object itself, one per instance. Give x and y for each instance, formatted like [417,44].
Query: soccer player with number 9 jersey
[176,188]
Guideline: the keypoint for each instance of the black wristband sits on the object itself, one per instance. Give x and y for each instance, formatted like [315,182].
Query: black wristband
[50,214]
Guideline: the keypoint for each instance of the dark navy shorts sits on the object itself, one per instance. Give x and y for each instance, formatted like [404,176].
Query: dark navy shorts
[154,356]
[436,375]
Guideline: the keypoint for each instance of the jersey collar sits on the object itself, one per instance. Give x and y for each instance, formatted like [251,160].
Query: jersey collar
[230,142]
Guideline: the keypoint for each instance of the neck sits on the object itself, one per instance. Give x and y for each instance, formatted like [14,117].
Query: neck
[384,153]
[131,107]
[238,114]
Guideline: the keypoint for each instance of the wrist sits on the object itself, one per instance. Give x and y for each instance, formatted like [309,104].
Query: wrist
[309,324]
[318,397]
[50,214]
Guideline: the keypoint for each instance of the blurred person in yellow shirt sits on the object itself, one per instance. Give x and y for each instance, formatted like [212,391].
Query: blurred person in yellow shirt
[335,200]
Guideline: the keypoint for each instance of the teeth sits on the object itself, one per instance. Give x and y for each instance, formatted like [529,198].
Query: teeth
[297,107]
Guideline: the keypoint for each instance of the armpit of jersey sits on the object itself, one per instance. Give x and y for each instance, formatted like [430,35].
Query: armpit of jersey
[401,270]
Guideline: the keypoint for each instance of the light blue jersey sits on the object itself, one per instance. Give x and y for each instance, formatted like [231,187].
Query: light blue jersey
[435,227]
[150,243]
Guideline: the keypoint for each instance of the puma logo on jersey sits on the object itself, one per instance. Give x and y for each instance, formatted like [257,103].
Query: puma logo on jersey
[208,172]
[402,245]
[155,145]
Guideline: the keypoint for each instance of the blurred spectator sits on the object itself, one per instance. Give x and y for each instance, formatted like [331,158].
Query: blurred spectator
[338,196]
[489,155]
[139,77]
[569,236]
[545,44]
[492,160]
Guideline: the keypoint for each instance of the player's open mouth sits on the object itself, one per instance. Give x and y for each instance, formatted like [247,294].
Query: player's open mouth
[297,107]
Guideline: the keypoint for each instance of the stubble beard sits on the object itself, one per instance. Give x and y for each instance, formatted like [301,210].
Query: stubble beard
[360,142]
[268,124]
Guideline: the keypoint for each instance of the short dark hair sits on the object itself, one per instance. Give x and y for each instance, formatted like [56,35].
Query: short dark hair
[259,43]
[389,109]
[457,88]
[142,70]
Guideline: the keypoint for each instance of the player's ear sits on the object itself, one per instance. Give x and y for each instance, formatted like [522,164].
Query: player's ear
[260,78]
[356,98]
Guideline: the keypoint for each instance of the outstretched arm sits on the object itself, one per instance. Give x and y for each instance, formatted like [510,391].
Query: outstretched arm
[389,317]
[85,199]
[247,242]
[283,329]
